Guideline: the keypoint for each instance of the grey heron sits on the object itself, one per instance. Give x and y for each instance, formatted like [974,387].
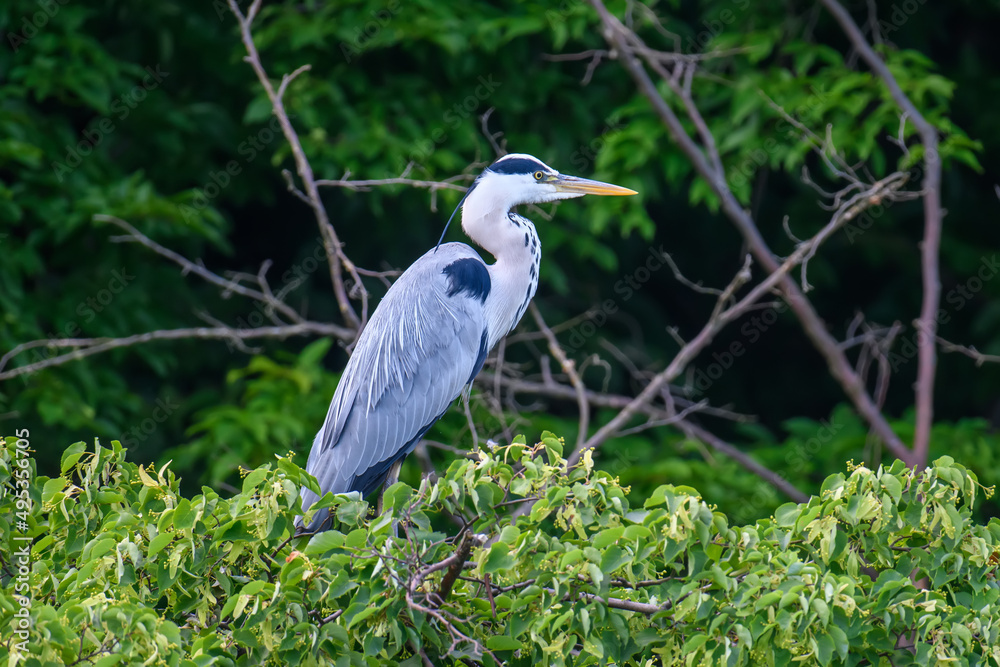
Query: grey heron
[428,338]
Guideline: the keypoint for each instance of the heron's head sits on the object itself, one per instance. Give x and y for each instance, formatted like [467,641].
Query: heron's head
[517,179]
[522,179]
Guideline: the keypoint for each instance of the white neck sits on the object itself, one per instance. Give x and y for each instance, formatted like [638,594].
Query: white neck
[488,220]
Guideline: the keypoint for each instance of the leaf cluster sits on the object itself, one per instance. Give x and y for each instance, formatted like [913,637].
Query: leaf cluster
[883,565]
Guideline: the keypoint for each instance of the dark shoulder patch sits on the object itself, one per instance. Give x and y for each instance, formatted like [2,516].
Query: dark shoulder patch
[468,275]
[517,165]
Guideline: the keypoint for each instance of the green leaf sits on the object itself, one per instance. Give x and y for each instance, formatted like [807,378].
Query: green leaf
[570,557]
[157,543]
[397,495]
[824,649]
[892,486]
[321,543]
[253,587]
[787,514]
[503,643]
[607,537]
[71,455]
[498,559]
[254,479]
[694,643]
[840,642]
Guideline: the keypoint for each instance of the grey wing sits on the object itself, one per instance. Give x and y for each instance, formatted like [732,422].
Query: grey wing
[424,343]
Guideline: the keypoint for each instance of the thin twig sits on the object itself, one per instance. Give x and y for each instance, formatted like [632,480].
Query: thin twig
[366,185]
[92,346]
[970,352]
[774,479]
[499,149]
[331,243]
[929,247]
[229,286]
[569,368]
[621,39]
[722,316]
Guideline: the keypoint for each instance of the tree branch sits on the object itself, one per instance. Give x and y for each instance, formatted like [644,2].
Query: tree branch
[229,286]
[721,315]
[569,368]
[970,352]
[334,249]
[627,44]
[92,346]
[929,248]
[455,563]
[774,479]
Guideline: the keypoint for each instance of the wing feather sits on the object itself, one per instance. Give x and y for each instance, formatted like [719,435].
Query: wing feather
[412,361]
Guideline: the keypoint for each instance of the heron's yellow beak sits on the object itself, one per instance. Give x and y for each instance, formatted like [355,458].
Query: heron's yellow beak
[585,186]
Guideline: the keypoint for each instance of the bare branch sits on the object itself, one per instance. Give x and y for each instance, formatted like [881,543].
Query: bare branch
[366,185]
[228,286]
[595,55]
[929,248]
[596,399]
[569,368]
[92,346]
[697,287]
[722,315]
[499,149]
[627,43]
[768,475]
[970,352]
[331,243]
[455,563]
[288,78]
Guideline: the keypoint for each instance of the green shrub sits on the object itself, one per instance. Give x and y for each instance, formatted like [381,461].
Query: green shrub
[883,567]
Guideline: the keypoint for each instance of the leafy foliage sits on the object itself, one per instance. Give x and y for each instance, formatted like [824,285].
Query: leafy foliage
[123,565]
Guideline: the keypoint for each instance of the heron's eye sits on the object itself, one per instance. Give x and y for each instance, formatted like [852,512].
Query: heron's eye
[538,175]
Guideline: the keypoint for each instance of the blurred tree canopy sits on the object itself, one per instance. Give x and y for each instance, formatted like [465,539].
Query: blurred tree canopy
[147,112]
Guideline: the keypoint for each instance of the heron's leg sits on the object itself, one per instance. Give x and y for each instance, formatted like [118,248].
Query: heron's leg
[466,395]
[390,479]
